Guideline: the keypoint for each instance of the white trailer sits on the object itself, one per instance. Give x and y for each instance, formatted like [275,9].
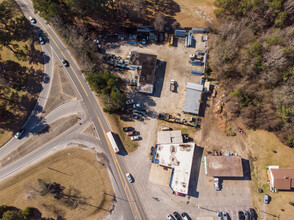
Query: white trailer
[112,141]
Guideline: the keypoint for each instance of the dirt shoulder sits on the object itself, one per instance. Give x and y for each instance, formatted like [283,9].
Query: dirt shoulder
[67,168]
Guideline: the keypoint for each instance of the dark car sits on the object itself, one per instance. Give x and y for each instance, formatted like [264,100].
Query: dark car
[137,117]
[247,217]
[151,150]
[19,133]
[241,215]
[65,63]
[252,214]
[126,129]
[185,216]
[41,40]
[177,216]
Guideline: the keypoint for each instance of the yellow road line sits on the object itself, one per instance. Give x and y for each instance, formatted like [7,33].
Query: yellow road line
[123,181]
[62,53]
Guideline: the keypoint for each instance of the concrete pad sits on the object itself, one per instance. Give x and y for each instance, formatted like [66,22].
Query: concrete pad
[160,175]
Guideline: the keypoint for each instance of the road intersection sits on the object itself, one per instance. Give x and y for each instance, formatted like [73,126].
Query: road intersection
[128,205]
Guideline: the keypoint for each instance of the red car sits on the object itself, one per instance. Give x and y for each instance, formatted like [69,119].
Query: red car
[130,133]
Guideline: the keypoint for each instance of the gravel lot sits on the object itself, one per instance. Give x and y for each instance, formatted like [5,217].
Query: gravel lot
[159,200]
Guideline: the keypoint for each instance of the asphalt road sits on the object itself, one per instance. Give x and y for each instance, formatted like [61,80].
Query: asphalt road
[131,208]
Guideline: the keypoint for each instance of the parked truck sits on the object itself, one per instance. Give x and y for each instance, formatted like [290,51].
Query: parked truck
[172,85]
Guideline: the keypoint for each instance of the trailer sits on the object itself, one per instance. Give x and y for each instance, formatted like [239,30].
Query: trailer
[112,142]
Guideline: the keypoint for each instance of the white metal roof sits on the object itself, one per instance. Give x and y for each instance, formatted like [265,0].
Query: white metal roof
[179,157]
[193,95]
[169,137]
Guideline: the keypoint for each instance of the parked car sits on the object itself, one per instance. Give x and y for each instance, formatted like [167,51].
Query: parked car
[130,101]
[266,198]
[19,133]
[219,215]
[129,177]
[252,214]
[178,194]
[135,138]
[143,41]
[177,216]
[216,184]
[185,216]
[246,214]
[33,20]
[241,215]
[137,117]
[170,217]
[125,129]
[151,150]
[137,106]
[226,216]
[64,63]
[130,133]
[41,40]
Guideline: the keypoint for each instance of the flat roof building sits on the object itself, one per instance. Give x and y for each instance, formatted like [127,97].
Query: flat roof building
[223,166]
[280,178]
[193,97]
[146,70]
[169,137]
[179,157]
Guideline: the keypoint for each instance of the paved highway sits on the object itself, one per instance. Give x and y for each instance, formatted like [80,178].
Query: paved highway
[131,208]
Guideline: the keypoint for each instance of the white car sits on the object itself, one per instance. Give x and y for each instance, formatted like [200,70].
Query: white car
[135,138]
[137,106]
[41,40]
[129,177]
[33,20]
[19,133]
[170,217]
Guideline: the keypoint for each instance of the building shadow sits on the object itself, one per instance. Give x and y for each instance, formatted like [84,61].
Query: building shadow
[203,105]
[195,171]
[160,72]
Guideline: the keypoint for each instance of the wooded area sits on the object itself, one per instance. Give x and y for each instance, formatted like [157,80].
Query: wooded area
[252,56]
[20,76]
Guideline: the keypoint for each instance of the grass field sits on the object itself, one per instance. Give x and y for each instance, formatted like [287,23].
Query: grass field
[266,149]
[74,169]
[31,65]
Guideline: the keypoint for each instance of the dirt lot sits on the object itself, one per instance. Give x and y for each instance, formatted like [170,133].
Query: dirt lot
[93,186]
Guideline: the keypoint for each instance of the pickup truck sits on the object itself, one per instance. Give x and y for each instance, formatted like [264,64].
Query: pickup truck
[216,184]
[172,85]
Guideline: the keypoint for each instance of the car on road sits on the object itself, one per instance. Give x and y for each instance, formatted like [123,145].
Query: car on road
[41,40]
[33,20]
[130,101]
[185,216]
[129,177]
[266,198]
[64,62]
[219,215]
[170,217]
[135,138]
[19,133]
[241,215]
[177,216]
[226,216]
[125,129]
[252,214]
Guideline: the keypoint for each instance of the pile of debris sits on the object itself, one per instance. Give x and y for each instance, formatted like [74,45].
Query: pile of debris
[113,60]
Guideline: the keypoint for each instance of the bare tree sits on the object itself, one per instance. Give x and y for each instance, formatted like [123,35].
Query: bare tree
[159,22]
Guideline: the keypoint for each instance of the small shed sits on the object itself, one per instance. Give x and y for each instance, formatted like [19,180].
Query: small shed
[180,33]
[193,97]
[199,30]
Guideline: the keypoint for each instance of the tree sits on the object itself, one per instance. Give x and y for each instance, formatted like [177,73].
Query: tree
[281,18]
[3,208]
[159,22]
[28,212]
[12,215]
[48,9]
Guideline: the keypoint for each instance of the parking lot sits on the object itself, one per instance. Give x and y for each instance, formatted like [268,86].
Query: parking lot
[173,64]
